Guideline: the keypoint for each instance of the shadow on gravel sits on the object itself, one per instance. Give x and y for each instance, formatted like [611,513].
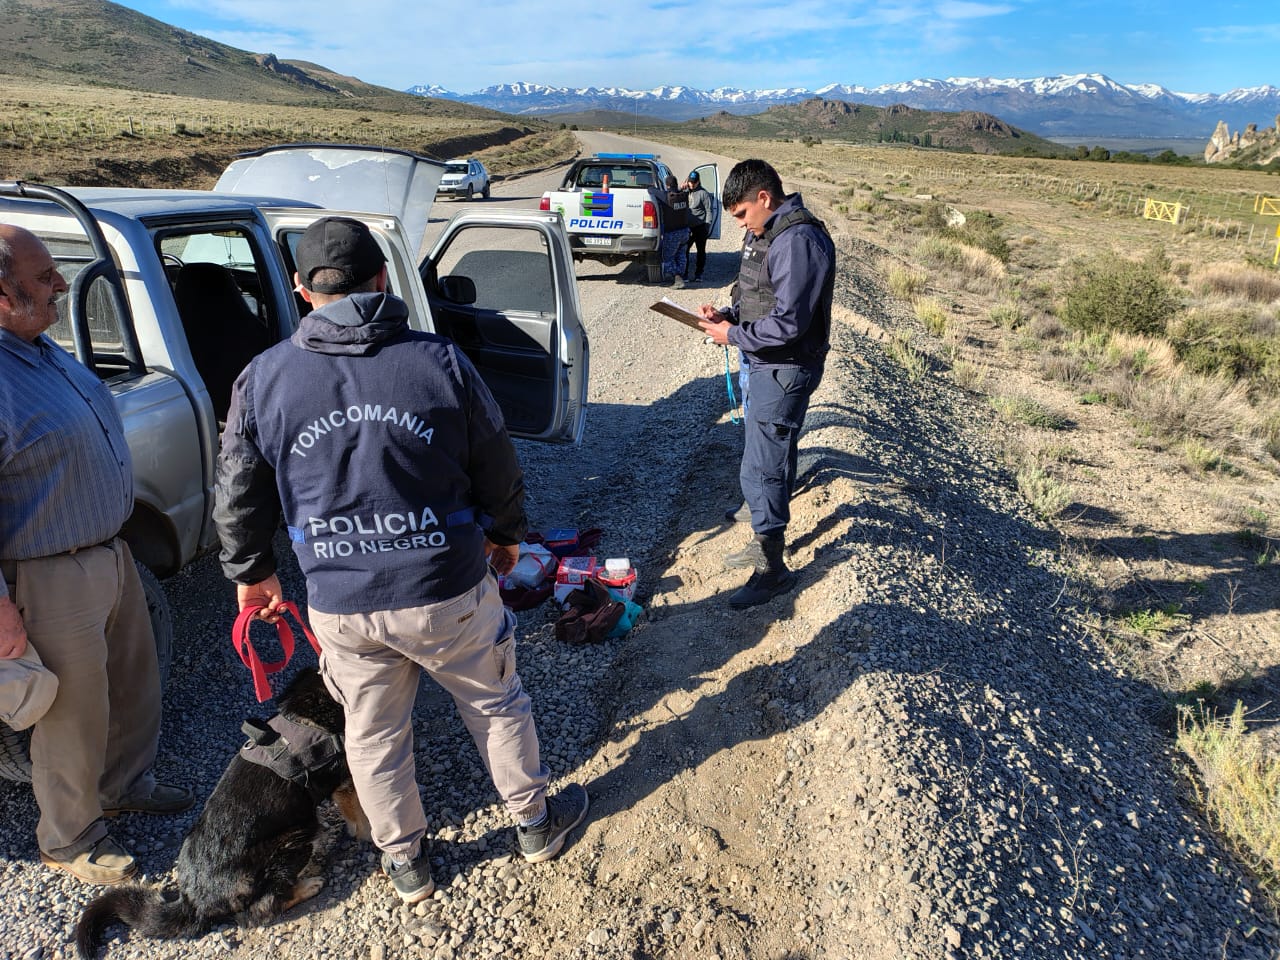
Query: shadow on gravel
[1245,576]
[721,269]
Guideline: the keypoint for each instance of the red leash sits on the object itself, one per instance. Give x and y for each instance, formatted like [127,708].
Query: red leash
[249,656]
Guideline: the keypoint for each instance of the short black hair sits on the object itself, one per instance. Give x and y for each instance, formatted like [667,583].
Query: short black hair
[748,178]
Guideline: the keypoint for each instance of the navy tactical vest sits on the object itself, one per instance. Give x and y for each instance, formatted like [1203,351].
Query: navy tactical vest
[755,296]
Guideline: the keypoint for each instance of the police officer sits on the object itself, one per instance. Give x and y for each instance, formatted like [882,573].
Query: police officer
[781,321]
[675,230]
[385,448]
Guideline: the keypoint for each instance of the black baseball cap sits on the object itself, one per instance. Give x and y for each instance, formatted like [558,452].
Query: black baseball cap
[338,243]
[694,176]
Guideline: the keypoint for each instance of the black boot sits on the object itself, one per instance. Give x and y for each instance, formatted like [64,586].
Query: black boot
[740,514]
[769,582]
[750,557]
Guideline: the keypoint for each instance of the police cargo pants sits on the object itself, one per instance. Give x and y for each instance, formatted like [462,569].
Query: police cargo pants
[779,402]
[372,662]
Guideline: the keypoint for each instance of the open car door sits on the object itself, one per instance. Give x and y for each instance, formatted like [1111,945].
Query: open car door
[502,287]
[709,177]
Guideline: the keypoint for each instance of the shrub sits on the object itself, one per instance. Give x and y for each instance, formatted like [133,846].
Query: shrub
[1184,406]
[960,257]
[1244,280]
[908,357]
[1113,294]
[1068,367]
[1028,411]
[1236,343]
[932,314]
[906,282]
[1007,315]
[1047,496]
[1200,459]
[1239,784]
[981,230]
[969,376]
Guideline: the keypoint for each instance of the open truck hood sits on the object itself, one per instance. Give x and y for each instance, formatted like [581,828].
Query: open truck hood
[377,180]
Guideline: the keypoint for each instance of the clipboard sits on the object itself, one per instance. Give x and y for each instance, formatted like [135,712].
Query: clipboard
[677,312]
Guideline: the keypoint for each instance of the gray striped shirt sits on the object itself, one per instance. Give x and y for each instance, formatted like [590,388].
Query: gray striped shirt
[66,480]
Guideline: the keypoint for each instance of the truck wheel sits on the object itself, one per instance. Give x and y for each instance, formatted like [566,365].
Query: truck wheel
[161,619]
[471,191]
[654,263]
[15,745]
[485,193]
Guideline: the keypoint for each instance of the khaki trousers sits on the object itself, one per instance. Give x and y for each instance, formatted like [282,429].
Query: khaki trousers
[372,663]
[86,615]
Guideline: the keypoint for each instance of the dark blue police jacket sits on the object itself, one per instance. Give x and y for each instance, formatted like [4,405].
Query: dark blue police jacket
[385,449]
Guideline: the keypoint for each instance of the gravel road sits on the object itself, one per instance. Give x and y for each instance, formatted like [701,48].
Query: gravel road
[921,753]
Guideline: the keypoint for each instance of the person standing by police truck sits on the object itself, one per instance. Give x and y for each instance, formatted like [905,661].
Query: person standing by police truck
[781,321]
[385,449]
[675,230]
[701,215]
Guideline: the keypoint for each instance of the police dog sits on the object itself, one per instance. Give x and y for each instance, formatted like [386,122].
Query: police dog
[257,847]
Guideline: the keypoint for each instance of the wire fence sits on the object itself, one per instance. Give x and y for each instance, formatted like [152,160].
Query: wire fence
[1228,216]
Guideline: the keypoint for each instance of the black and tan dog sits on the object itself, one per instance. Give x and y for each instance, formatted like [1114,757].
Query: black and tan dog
[256,848]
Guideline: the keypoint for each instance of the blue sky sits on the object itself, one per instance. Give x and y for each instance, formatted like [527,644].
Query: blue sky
[1206,46]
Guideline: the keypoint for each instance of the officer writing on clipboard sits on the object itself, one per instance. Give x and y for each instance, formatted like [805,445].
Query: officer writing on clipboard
[781,321]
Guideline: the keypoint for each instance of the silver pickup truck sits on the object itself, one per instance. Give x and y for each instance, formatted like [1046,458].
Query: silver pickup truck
[173,291]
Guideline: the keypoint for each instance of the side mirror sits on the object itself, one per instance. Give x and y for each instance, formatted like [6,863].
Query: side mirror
[459,290]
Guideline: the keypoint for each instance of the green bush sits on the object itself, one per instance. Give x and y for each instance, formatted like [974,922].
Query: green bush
[1112,294]
[1236,343]
[981,230]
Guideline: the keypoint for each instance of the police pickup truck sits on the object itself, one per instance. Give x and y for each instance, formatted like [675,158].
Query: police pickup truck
[610,211]
[173,291]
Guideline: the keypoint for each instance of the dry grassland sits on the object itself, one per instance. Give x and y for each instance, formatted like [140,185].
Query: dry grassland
[74,135]
[1133,374]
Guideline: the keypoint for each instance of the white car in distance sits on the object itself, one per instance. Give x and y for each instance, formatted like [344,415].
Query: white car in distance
[464,178]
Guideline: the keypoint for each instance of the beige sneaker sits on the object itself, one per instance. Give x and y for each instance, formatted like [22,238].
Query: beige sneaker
[103,864]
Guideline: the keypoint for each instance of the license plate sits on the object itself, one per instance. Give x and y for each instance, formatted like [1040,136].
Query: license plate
[598,241]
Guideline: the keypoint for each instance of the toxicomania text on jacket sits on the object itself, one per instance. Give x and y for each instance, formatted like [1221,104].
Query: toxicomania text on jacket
[356,414]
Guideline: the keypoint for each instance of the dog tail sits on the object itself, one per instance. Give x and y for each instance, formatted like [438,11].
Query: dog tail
[145,909]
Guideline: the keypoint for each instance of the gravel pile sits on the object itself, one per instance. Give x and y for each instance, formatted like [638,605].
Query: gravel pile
[922,753]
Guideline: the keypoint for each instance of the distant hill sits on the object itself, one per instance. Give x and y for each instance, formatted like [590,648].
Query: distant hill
[1083,104]
[96,42]
[838,120]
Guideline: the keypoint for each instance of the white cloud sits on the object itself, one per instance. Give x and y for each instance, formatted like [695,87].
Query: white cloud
[966,10]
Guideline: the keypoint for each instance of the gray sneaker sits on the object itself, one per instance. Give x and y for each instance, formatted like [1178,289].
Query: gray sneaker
[412,879]
[564,812]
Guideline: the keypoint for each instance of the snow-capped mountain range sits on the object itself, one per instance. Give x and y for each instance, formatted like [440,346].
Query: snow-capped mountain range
[1079,105]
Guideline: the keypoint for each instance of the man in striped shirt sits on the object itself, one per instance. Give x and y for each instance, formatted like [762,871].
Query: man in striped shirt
[70,588]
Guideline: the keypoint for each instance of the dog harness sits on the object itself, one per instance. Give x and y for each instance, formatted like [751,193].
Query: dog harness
[292,751]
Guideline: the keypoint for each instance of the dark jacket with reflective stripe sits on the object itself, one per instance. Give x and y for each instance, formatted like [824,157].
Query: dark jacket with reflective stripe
[383,446]
[786,283]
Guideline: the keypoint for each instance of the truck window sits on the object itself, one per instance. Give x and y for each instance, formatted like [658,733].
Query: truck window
[72,254]
[511,268]
[219,285]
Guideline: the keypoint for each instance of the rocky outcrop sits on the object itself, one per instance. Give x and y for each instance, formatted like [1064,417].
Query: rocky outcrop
[985,123]
[1242,145]
[268,62]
